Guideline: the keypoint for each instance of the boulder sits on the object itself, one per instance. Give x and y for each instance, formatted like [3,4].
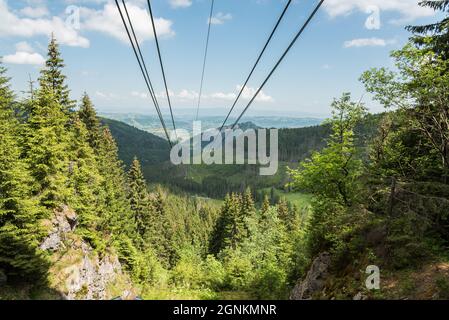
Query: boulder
[314,280]
[359,296]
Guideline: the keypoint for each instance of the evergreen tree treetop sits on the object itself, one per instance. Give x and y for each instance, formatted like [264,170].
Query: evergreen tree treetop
[52,77]
[88,115]
[433,36]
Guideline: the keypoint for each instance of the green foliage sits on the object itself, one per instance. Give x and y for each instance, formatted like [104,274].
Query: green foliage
[139,199]
[334,172]
[433,36]
[52,80]
[20,212]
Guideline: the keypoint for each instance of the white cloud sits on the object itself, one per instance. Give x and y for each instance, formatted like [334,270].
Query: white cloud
[180,3]
[25,54]
[367,42]
[188,95]
[22,57]
[108,21]
[249,92]
[408,9]
[224,96]
[24,46]
[138,94]
[35,12]
[220,18]
[14,26]
[106,95]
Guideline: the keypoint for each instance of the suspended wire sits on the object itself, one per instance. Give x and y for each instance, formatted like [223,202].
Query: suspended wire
[140,54]
[279,61]
[144,71]
[162,65]
[205,58]
[257,62]
[142,63]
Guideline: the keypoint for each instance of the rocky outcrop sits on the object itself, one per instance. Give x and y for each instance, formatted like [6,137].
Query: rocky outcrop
[89,278]
[64,221]
[360,296]
[315,279]
[78,272]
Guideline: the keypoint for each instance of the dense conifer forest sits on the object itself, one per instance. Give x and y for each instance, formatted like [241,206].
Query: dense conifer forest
[374,190]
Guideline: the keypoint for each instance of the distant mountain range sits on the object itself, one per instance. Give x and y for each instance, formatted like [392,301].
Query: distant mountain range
[295,144]
[150,123]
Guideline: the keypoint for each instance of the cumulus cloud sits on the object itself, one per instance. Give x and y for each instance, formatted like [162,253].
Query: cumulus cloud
[107,20]
[138,94]
[24,46]
[180,3]
[35,12]
[188,95]
[24,55]
[220,18]
[249,92]
[106,95]
[408,9]
[224,96]
[184,94]
[13,25]
[367,42]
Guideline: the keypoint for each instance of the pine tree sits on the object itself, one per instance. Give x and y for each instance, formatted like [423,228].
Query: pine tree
[436,35]
[283,211]
[248,208]
[139,198]
[116,214]
[47,142]
[85,181]
[88,115]
[265,205]
[160,234]
[20,231]
[53,80]
[236,228]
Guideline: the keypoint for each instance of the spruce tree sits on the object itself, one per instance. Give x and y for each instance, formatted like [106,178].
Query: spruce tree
[265,205]
[20,231]
[88,116]
[217,239]
[160,234]
[434,36]
[236,229]
[85,181]
[139,198]
[283,211]
[52,78]
[116,214]
[46,149]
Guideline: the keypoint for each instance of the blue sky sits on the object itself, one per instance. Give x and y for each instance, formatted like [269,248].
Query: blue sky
[346,38]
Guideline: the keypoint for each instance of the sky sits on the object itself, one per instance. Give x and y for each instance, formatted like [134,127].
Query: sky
[345,38]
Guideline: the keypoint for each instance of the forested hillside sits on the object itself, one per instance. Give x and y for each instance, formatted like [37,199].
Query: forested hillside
[82,218]
[70,210]
[215,180]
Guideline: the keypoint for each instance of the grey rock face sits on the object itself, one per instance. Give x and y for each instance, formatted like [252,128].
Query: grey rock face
[359,296]
[89,279]
[314,280]
[64,221]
